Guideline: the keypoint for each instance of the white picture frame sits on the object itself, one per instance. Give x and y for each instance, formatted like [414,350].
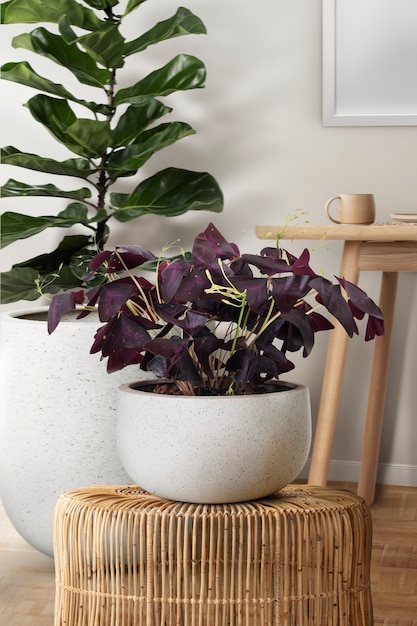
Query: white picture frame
[369,62]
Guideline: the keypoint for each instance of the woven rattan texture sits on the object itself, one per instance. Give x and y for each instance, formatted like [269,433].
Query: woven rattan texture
[126,558]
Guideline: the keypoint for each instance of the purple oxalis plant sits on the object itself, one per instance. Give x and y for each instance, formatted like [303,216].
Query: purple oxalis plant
[216,321]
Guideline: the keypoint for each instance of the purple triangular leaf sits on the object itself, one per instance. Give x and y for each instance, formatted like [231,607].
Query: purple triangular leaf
[61,304]
[122,340]
[301,265]
[192,286]
[170,312]
[332,298]
[212,245]
[248,366]
[155,364]
[256,292]
[374,328]
[360,299]
[184,368]
[171,277]
[128,257]
[267,264]
[99,259]
[288,290]
[297,332]
[122,358]
[167,348]
[113,296]
[204,346]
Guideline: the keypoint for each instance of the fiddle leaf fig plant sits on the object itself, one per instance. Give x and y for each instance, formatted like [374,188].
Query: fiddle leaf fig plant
[217,323]
[104,139]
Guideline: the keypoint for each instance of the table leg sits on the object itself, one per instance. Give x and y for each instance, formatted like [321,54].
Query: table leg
[377,389]
[332,381]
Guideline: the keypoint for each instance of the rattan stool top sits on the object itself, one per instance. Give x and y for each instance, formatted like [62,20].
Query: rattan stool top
[127,558]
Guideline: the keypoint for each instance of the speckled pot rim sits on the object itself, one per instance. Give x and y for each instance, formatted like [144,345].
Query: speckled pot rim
[38,315]
[136,387]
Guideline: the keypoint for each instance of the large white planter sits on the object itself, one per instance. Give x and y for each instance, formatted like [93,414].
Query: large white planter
[213,449]
[58,421]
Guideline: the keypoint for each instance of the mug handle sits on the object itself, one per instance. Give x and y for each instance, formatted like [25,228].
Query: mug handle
[327,209]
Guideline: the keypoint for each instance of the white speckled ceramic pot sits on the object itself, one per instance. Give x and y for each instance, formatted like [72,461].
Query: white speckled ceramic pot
[58,419]
[213,449]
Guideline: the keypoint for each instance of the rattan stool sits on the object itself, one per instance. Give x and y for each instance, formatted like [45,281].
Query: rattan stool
[126,558]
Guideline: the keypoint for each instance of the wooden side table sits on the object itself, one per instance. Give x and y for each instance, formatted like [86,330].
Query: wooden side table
[389,248]
[124,557]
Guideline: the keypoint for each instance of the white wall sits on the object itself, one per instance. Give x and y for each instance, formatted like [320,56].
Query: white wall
[260,133]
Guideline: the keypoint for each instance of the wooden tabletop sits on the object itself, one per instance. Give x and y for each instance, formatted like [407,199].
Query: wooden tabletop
[387,231]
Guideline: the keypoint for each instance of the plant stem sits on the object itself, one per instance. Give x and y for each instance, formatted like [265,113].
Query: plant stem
[150,311]
[239,323]
[268,320]
[103,179]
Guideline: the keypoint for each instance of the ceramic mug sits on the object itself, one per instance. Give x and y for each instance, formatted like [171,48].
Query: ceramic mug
[354,208]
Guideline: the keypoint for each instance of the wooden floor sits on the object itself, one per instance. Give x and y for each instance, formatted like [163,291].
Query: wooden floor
[27,577]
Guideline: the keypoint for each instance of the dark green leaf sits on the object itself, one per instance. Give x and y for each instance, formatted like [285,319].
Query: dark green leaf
[33,11]
[149,142]
[15,226]
[75,212]
[132,5]
[91,136]
[63,268]
[13,188]
[169,192]
[135,120]
[55,48]
[55,115]
[183,72]
[105,46]
[101,4]
[66,31]
[80,267]
[63,279]
[21,283]
[88,138]
[47,263]
[182,23]
[80,168]
[23,73]
[18,284]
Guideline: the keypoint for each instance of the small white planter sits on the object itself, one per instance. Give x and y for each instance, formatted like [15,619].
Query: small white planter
[213,449]
[58,418]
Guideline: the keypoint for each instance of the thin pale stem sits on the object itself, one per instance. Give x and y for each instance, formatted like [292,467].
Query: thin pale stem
[149,307]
